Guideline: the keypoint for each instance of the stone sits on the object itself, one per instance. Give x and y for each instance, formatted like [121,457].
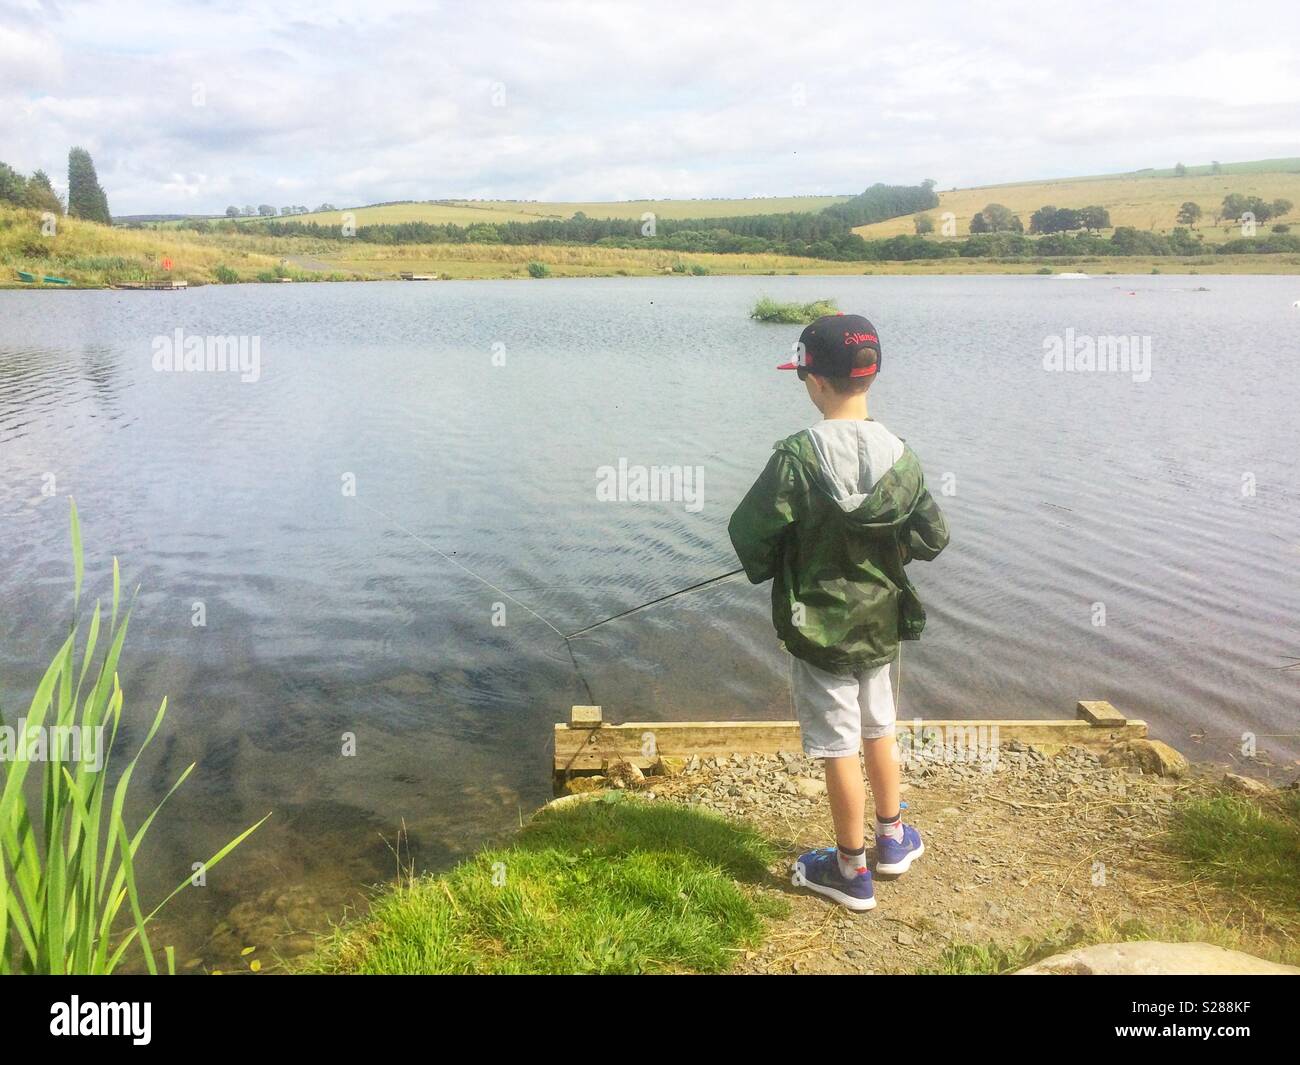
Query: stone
[623,774]
[1151,756]
[670,766]
[1245,785]
[580,785]
[407,684]
[1156,959]
[810,787]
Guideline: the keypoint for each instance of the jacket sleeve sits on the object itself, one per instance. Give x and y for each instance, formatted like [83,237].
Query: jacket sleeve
[927,531]
[764,516]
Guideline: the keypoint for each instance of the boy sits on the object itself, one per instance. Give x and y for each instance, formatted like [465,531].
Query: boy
[839,511]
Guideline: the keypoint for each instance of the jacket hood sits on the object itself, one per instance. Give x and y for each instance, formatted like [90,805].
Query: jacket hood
[871,475]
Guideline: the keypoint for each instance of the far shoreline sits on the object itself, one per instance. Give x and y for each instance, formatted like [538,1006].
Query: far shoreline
[1284,265]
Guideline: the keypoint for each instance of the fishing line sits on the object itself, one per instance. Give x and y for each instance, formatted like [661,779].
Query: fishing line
[655,602]
[567,638]
[483,580]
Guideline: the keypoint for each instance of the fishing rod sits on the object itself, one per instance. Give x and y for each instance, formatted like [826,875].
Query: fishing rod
[566,638]
[655,602]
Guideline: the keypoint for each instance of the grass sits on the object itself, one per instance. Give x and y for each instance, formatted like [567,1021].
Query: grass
[618,885]
[1145,200]
[770,310]
[67,862]
[92,255]
[1249,848]
[1246,846]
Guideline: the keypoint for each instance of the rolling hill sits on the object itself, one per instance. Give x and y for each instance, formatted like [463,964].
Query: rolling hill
[467,212]
[1146,199]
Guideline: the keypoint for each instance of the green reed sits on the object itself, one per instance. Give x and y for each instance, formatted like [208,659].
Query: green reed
[68,860]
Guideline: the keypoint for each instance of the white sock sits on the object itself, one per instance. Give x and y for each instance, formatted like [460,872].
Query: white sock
[890,829]
[851,864]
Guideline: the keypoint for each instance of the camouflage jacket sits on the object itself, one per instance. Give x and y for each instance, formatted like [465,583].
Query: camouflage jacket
[841,599]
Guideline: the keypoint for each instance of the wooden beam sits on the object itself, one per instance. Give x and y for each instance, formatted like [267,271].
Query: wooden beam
[584,747]
[585,717]
[1100,713]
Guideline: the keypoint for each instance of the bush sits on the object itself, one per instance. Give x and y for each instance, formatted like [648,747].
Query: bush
[699,271]
[769,310]
[225,275]
[536,269]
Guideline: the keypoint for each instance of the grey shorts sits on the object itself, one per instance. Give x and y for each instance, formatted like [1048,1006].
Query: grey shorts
[837,713]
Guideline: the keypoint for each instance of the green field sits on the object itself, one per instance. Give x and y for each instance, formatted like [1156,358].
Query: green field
[1147,199]
[467,212]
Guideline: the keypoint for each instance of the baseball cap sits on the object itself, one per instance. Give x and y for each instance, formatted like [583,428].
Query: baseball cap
[831,347]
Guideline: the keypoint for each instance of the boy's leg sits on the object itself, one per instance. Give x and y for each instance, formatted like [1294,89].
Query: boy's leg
[882,771]
[876,699]
[897,844]
[848,803]
[830,722]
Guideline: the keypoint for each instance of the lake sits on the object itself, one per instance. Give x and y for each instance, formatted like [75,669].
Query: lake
[1131,536]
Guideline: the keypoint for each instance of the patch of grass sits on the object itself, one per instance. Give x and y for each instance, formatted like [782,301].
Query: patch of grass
[620,886]
[1245,845]
[536,269]
[94,255]
[770,310]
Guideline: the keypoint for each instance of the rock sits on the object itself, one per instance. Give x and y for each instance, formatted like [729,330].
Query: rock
[670,766]
[1245,785]
[810,787]
[1151,756]
[1155,959]
[407,684]
[623,774]
[580,785]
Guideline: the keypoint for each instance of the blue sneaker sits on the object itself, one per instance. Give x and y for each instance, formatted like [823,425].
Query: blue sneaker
[819,871]
[894,858]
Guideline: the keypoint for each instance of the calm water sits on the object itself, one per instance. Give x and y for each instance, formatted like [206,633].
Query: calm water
[327,614]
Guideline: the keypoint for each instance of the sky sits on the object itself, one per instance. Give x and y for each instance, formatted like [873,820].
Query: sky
[188,107]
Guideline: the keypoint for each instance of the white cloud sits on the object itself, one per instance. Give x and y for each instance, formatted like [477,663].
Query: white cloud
[352,103]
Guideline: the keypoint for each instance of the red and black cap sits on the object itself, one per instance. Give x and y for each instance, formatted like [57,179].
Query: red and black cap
[838,345]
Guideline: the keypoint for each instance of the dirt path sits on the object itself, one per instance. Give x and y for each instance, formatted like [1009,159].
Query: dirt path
[1025,851]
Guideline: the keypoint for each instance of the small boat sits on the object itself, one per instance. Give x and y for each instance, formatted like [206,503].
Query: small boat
[49,279]
[24,276]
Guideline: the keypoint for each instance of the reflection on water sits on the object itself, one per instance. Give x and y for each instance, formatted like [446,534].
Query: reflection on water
[325,618]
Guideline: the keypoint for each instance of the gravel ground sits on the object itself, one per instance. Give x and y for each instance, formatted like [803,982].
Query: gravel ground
[1021,847]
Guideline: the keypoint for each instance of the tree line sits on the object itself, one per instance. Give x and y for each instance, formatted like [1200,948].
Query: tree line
[86,197]
[266,210]
[821,234]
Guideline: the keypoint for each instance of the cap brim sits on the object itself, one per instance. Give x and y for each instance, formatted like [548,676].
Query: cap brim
[788,366]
